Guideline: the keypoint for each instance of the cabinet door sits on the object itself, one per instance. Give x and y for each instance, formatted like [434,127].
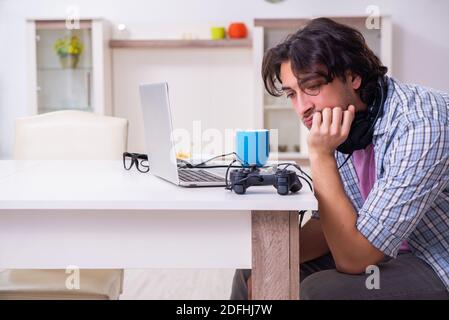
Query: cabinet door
[64,66]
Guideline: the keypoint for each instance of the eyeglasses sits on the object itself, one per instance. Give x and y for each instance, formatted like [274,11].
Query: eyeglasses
[311,85]
[140,160]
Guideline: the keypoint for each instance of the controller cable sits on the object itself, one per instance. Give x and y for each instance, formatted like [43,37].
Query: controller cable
[186,164]
[308,180]
[301,216]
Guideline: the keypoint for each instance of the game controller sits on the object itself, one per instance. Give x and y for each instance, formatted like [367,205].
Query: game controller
[283,180]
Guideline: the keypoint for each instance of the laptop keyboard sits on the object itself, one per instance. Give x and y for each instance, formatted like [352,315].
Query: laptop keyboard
[198,176]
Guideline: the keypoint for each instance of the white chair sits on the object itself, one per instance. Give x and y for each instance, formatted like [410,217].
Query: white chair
[66,135]
[70,135]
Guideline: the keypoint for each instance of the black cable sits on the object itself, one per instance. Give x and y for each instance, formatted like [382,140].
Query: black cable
[241,180]
[226,176]
[287,164]
[217,166]
[185,163]
[309,182]
[247,178]
[304,173]
[346,160]
[201,165]
[299,168]
[310,186]
[204,162]
[301,217]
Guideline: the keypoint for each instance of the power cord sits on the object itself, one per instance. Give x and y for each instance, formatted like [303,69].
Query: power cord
[202,164]
[228,187]
[208,160]
[346,160]
[301,217]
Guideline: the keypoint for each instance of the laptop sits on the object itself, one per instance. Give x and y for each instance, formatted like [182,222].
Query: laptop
[155,104]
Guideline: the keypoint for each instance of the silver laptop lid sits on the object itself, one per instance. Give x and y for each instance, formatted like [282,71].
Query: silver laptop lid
[157,122]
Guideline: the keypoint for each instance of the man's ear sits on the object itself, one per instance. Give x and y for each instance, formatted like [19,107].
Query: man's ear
[356,81]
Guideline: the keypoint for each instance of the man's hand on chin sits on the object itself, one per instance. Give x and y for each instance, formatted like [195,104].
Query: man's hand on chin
[330,128]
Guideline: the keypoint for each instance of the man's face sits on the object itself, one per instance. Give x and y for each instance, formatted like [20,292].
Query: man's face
[333,94]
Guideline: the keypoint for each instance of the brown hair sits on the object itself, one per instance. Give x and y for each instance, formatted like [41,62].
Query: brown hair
[324,44]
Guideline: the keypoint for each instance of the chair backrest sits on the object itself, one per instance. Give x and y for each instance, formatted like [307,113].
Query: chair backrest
[70,135]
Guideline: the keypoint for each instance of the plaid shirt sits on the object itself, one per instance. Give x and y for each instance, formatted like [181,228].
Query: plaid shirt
[410,198]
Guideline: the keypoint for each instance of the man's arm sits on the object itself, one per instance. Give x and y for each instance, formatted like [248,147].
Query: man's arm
[312,241]
[351,251]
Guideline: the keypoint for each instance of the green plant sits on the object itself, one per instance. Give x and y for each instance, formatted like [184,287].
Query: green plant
[69,45]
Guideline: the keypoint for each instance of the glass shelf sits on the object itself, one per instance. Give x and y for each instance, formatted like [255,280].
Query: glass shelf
[180,43]
[63,69]
[60,85]
[59,108]
[60,89]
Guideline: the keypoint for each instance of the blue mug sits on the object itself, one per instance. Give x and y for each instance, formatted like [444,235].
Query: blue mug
[252,147]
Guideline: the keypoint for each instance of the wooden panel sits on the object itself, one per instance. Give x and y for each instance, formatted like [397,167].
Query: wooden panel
[294,255]
[296,23]
[280,23]
[60,24]
[235,43]
[275,248]
[351,21]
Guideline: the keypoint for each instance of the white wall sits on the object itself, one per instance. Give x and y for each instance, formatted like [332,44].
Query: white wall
[208,89]
[420,52]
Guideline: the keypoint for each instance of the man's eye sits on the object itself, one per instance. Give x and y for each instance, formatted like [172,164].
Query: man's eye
[313,87]
[290,95]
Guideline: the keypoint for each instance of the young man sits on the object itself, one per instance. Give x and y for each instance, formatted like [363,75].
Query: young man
[387,207]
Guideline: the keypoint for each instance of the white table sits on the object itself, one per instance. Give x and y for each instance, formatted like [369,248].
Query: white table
[95,214]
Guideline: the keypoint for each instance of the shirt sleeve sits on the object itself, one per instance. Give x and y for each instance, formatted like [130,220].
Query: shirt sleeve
[416,172]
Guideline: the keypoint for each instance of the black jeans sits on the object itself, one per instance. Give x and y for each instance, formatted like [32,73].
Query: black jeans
[406,277]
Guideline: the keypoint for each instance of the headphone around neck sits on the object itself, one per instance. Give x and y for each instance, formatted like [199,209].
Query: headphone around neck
[362,128]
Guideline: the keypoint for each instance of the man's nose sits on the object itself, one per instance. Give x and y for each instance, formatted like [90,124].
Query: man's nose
[302,104]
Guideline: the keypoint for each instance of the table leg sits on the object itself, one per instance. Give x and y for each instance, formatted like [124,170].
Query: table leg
[275,255]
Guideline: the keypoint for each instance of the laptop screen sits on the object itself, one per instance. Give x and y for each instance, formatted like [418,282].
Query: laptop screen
[157,121]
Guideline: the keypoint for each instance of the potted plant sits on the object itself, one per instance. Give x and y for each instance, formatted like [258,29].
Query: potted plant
[68,49]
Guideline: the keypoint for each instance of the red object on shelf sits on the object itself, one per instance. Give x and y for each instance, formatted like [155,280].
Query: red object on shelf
[237,30]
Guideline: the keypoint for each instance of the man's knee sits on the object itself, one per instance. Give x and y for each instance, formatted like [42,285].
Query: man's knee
[329,285]
[310,287]
[240,288]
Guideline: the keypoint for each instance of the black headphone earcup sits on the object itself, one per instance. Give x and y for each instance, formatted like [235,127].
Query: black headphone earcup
[364,132]
[362,128]
[358,135]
